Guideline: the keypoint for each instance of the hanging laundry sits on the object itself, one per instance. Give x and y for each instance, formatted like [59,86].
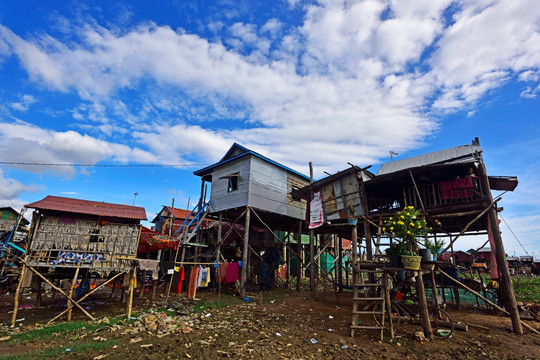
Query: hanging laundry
[180,280]
[205,277]
[192,290]
[222,272]
[232,273]
[199,276]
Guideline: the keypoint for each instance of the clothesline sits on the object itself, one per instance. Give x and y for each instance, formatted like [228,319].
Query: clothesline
[195,263]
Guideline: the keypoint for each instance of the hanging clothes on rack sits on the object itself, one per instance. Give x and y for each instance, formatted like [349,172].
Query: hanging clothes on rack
[222,272]
[232,273]
[181,276]
[192,290]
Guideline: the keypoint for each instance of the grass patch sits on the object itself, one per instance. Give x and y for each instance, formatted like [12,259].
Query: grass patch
[216,304]
[78,347]
[527,288]
[64,328]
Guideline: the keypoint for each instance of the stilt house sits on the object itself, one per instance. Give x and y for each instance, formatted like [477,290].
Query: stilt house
[87,234]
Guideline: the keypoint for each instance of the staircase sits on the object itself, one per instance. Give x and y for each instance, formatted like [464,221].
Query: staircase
[368,311]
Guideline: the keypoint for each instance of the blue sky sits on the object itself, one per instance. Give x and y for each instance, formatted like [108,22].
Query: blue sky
[330,82]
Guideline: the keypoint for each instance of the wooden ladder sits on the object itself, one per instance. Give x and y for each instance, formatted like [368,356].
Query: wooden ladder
[374,295]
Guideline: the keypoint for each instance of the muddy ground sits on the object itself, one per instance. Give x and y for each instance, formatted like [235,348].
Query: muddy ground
[279,324]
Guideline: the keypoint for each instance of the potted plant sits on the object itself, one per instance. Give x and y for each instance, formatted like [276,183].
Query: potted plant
[394,253]
[408,224]
[434,246]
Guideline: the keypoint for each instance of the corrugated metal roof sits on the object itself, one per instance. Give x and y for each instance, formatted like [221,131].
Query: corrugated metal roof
[459,153]
[229,156]
[97,208]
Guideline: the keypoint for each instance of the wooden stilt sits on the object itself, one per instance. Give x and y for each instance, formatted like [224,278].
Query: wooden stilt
[130,299]
[17,296]
[299,256]
[71,290]
[70,305]
[505,280]
[388,303]
[39,293]
[112,290]
[422,303]
[243,280]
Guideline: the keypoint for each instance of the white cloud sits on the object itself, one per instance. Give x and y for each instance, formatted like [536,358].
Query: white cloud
[353,81]
[24,103]
[50,147]
[11,189]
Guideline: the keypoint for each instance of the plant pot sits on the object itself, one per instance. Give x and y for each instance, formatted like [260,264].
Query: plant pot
[426,255]
[395,262]
[352,221]
[411,262]
[401,275]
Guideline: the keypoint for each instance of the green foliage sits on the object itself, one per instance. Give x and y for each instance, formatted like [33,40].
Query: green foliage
[396,249]
[527,288]
[434,246]
[408,224]
[223,302]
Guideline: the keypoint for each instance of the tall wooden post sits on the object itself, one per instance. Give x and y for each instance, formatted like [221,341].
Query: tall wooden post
[243,280]
[299,256]
[340,264]
[18,295]
[505,280]
[130,299]
[311,245]
[71,290]
[424,314]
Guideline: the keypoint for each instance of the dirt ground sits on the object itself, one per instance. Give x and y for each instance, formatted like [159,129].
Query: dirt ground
[279,324]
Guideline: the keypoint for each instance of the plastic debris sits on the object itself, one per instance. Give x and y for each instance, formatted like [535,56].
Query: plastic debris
[314,341]
[344,347]
[330,317]
[68,349]
[246,299]
[278,334]
[330,330]
[207,315]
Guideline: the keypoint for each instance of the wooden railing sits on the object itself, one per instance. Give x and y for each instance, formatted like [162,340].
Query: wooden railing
[442,193]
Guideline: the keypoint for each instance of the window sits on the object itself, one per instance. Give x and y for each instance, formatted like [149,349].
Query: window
[295,198]
[233,183]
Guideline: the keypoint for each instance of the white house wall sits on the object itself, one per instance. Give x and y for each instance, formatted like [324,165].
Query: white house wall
[268,187]
[220,198]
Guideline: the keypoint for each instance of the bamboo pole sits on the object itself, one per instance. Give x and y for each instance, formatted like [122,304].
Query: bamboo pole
[298,257]
[243,280]
[70,306]
[311,245]
[130,299]
[424,314]
[505,280]
[60,291]
[71,289]
[17,296]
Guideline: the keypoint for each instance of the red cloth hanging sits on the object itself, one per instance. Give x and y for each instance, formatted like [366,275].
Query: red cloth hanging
[181,276]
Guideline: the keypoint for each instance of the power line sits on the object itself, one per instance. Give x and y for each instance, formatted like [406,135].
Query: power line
[519,242]
[100,165]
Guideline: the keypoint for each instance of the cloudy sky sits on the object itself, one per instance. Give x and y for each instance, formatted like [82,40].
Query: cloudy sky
[177,82]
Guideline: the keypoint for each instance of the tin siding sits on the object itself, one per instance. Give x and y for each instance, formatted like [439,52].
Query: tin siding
[268,187]
[296,209]
[220,198]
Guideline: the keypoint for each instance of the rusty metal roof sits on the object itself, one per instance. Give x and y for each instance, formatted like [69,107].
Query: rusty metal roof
[97,208]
